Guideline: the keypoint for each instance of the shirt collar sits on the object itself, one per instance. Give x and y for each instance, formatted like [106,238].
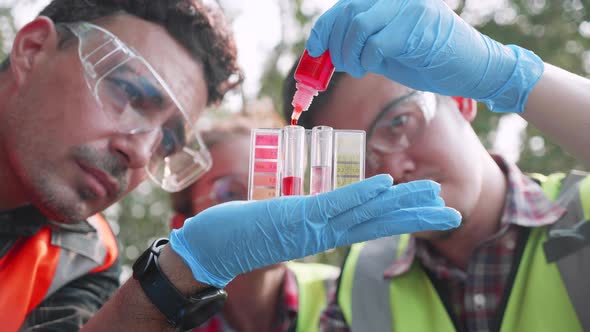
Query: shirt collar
[526,205]
[22,221]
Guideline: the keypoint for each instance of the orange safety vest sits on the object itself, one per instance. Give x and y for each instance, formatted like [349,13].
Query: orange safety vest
[39,265]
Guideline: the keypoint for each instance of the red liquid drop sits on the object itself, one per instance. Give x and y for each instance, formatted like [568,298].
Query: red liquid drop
[295,115]
[292,186]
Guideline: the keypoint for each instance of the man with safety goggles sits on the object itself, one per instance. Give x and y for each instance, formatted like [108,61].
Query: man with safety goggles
[138,102]
[515,264]
[98,95]
[415,135]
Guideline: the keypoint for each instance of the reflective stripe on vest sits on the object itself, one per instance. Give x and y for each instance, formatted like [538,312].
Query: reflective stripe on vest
[312,279]
[410,302]
[39,265]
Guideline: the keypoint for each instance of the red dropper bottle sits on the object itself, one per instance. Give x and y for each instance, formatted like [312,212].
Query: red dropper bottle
[312,75]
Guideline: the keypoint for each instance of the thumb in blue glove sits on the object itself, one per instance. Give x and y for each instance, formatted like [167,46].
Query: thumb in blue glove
[237,237]
[424,45]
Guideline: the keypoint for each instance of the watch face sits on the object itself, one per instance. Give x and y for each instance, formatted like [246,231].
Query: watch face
[141,264]
[199,312]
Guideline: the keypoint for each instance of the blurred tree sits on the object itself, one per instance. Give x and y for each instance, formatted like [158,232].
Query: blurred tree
[559,32]
[294,22]
[141,217]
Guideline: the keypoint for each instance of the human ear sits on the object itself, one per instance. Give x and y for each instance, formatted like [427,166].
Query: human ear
[31,45]
[467,107]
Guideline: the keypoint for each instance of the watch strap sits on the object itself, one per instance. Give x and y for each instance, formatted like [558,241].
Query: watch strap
[181,311]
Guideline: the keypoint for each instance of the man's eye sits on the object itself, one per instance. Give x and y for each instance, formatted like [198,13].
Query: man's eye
[231,195]
[228,189]
[133,93]
[152,97]
[170,143]
[124,93]
[399,122]
[145,97]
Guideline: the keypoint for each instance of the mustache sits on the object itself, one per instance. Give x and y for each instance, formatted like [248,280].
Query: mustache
[113,165]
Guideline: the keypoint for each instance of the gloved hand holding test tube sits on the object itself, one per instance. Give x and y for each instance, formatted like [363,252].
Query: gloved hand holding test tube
[254,234]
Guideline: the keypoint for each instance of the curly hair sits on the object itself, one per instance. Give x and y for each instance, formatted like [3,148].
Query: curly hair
[198,25]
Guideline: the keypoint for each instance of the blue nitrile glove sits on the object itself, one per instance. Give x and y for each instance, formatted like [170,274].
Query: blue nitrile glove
[423,44]
[236,237]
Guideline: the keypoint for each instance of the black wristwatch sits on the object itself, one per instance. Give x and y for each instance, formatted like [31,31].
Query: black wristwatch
[184,312]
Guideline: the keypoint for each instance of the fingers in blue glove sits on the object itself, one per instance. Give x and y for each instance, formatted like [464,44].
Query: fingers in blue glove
[361,30]
[402,221]
[317,43]
[421,47]
[406,195]
[340,200]
[349,27]
[250,235]
[348,14]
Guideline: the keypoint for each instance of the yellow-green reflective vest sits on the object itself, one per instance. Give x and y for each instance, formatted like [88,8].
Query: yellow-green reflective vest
[551,289]
[312,282]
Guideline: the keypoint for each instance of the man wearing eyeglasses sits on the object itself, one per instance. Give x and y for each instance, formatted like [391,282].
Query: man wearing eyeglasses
[458,279]
[95,97]
[519,260]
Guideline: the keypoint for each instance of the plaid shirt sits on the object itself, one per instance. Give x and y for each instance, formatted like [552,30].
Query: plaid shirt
[286,313]
[474,295]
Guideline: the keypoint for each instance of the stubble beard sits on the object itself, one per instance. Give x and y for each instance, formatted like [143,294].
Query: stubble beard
[73,207]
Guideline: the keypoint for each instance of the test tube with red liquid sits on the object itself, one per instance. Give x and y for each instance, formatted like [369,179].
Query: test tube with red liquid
[312,75]
[321,159]
[293,161]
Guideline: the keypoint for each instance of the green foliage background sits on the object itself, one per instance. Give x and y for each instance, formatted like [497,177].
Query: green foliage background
[558,31]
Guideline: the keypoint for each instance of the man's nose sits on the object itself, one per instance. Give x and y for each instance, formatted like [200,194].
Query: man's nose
[397,164]
[137,147]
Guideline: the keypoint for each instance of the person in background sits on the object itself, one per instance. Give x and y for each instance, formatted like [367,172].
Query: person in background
[519,260]
[280,297]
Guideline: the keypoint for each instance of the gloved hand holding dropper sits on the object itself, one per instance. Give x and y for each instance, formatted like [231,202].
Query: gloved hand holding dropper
[423,44]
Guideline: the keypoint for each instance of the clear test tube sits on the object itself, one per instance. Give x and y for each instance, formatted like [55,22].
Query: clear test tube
[293,166]
[320,177]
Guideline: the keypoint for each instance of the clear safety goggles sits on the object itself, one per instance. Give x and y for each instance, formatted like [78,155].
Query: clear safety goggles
[138,102]
[399,125]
